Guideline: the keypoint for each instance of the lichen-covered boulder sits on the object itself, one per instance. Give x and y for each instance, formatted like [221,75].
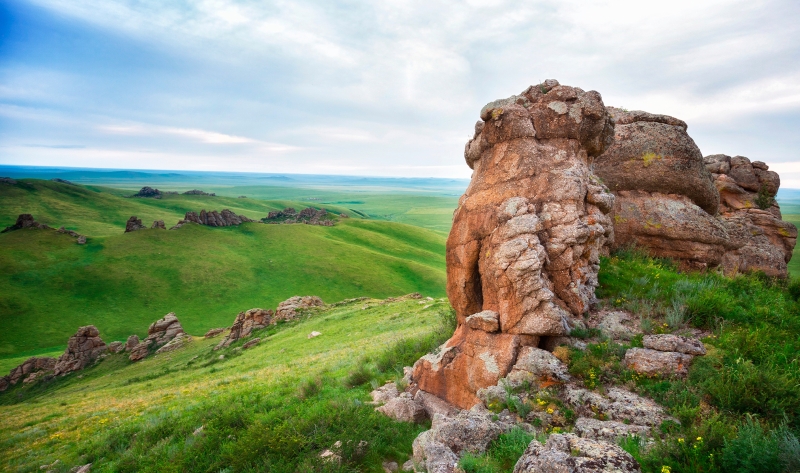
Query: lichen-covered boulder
[160,333]
[526,236]
[568,453]
[245,323]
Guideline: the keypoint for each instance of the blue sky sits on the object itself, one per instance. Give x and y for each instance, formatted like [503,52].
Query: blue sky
[389,88]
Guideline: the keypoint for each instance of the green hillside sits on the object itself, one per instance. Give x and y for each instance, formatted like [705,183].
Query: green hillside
[121,282]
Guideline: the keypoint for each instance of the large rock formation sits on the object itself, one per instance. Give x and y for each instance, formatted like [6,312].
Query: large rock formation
[134,224]
[701,212]
[82,348]
[747,192]
[244,324]
[160,332]
[225,218]
[287,310]
[25,221]
[148,192]
[526,235]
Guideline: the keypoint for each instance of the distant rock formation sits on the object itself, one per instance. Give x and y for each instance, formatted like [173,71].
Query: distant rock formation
[134,224]
[160,332]
[309,216]
[526,236]
[63,181]
[226,218]
[148,192]
[704,213]
[25,221]
[7,180]
[244,324]
[82,348]
[199,192]
[287,310]
[78,237]
[764,242]
[31,369]
[159,224]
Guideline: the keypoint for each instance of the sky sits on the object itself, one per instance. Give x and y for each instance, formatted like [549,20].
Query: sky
[381,88]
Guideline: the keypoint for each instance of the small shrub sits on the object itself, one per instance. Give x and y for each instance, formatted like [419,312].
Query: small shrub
[756,450]
[764,200]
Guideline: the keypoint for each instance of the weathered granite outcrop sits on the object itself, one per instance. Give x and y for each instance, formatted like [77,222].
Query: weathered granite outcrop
[573,454]
[25,221]
[147,191]
[287,310]
[309,216]
[707,212]
[526,236]
[160,332]
[30,369]
[226,218]
[158,224]
[664,355]
[244,324]
[82,348]
[134,224]
[199,192]
[748,207]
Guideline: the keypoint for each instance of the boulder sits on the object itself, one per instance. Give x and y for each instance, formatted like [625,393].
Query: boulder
[251,343]
[132,341]
[287,310]
[160,333]
[134,224]
[608,430]
[653,362]
[433,455]
[82,348]
[534,365]
[434,406]
[568,453]
[678,343]
[404,408]
[214,332]
[159,224]
[176,343]
[245,323]
[617,404]
[116,347]
[617,325]
[527,234]
[385,393]
[25,221]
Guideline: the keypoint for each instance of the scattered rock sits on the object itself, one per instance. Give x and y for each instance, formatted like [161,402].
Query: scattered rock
[653,362]
[251,343]
[287,310]
[116,347]
[133,340]
[82,469]
[242,197]
[669,342]
[314,334]
[535,364]
[390,467]
[608,430]
[617,325]
[214,332]
[159,224]
[33,366]
[82,348]
[81,240]
[527,234]
[408,466]
[160,332]
[486,320]
[25,221]
[245,323]
[618,404]
[134,224]
[569,453]
[7,180]
[148,192]
[384,393]
[434,455]
[434,406]
[179,341]
[404,408]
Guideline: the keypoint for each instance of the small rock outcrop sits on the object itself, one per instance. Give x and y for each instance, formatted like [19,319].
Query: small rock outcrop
[160,332]
[664,355]
[573,454]
[226,218]
[148,192]
[287,310]
[176,343]
[526,237]
[214,332]
[82,348]
[134,224]
[309,216]
[244,324]
[199,192]
[25,221]
[8,181]
[29,370]
[159,224]
[63,181]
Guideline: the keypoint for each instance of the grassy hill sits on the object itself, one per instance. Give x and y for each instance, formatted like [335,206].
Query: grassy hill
[122,282]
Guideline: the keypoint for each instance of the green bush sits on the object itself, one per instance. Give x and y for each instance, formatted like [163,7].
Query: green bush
[757,450]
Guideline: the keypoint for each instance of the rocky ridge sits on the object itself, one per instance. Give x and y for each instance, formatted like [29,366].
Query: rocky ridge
[27,221]
[309,216]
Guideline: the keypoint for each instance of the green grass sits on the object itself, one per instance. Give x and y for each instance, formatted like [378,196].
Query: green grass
[274,407]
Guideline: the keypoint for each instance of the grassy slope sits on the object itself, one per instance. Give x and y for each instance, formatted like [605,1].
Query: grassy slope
[241,401]
[790,210]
